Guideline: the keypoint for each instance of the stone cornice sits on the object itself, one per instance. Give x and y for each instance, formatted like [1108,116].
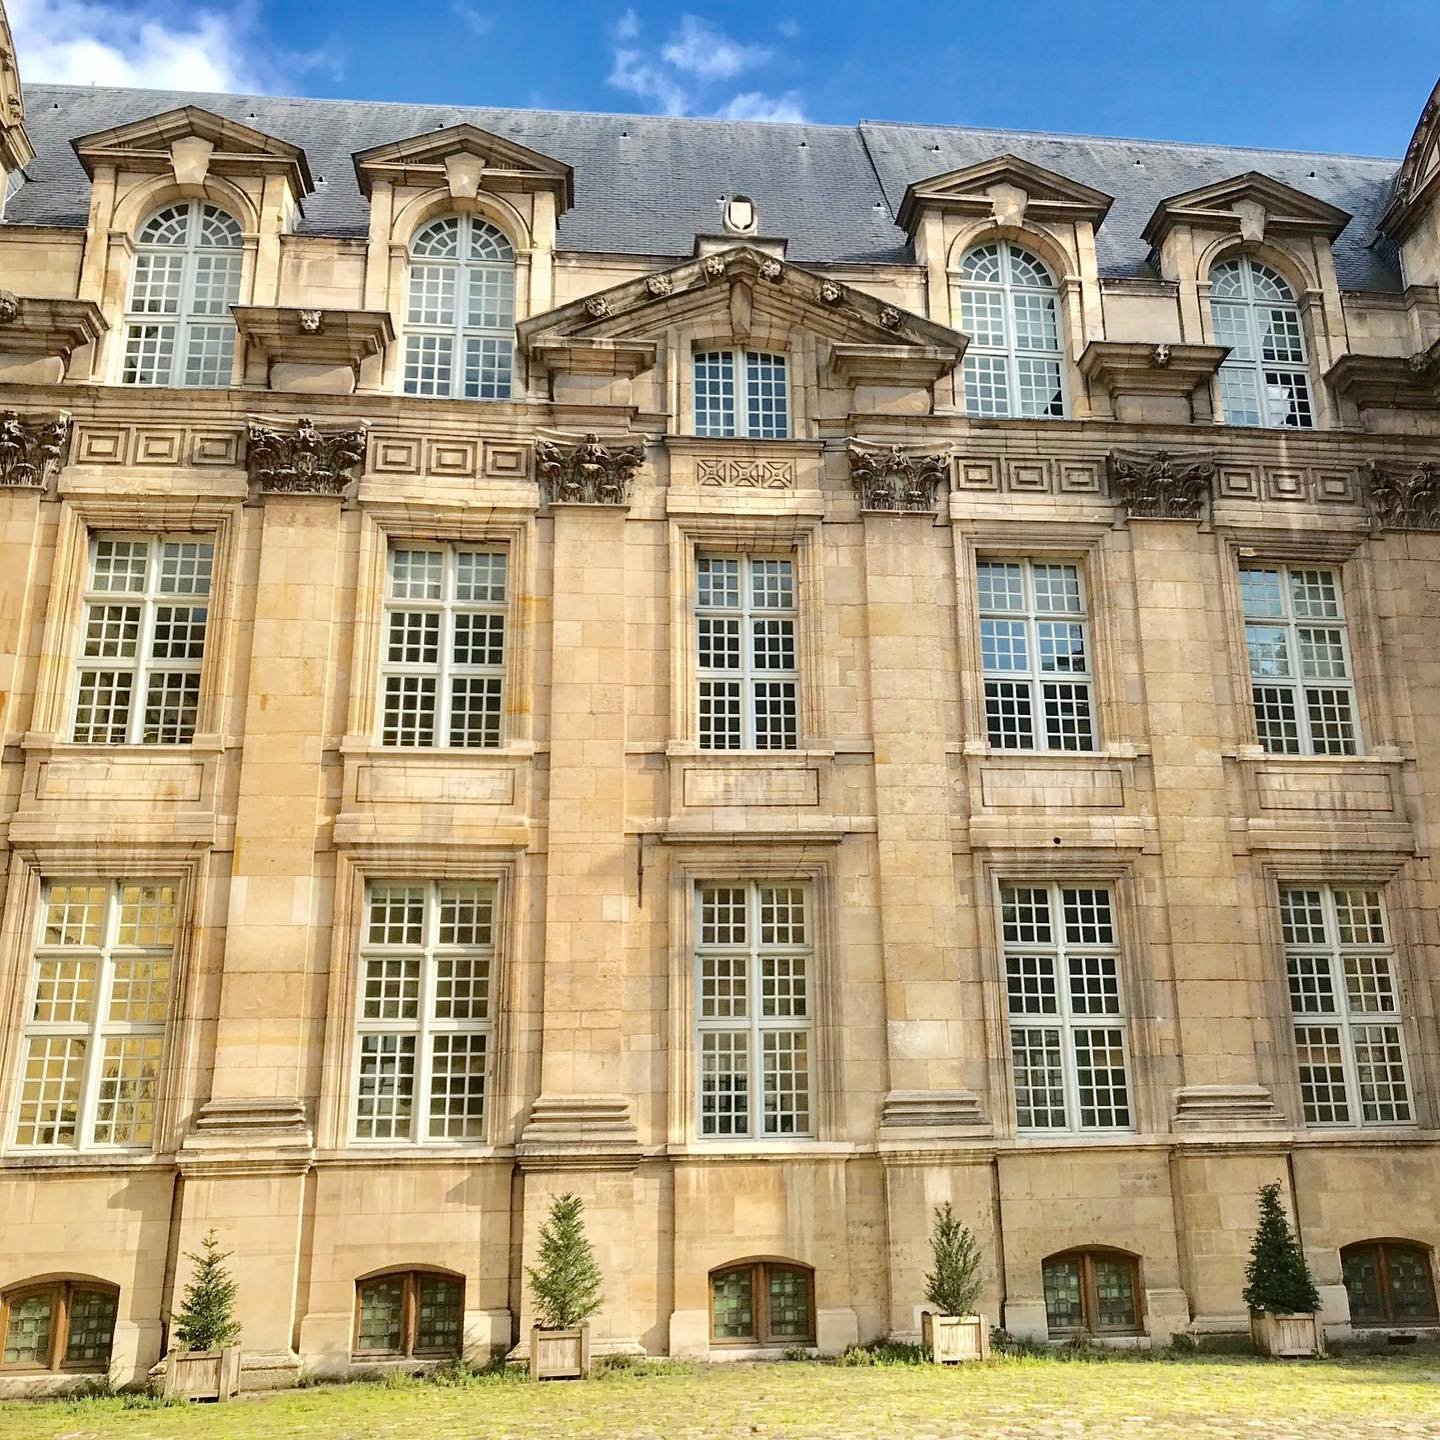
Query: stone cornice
[1388,382]
[1125,367]
[295,335]
[1249,204]
[50,328]
[894,366]
[565,355]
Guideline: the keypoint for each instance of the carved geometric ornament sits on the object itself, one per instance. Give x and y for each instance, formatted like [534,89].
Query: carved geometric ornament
[303,461]
[589,473]
[1404,495]
[30,450]
[895,480]
[747,474]
[1161,485]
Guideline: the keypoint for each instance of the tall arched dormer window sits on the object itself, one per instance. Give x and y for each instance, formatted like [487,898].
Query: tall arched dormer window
[460,315]
[1010,309]
[178,325]
[1264,380]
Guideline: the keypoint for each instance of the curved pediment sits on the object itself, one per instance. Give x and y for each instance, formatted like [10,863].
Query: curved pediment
[1252,203]
[1008,188]
[15,149]
[1418,180]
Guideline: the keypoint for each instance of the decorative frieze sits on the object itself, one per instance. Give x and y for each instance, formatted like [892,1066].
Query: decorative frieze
[1404,495]
[303,461]
[747,474]
[590,473]
[895,480]
[1161,485]
[30,450]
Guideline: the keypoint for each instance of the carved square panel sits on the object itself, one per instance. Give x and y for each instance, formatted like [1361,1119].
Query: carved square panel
[1080,477]
[452,458]
[109,445]
[510,462]
[1028,475]
[979,474]
[159,446]
[1285,484]
[215,447]
[1239,482]
[1336,486]
[395,455]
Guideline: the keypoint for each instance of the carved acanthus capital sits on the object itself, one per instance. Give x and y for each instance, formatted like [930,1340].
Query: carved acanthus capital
[1404,495]
[30,450]
[9,307]
[303,461]
[1160,485]
[590,473]
[893,479]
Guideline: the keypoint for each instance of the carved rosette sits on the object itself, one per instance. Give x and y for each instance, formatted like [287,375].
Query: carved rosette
[589,473]
[1160,485]
[895,480]
[1403,495]
[30,450]
[303,461]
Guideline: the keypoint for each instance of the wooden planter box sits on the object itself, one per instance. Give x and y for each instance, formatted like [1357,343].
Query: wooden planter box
[559,1354]
[203,1374]
[955,1338]
[1287,1337]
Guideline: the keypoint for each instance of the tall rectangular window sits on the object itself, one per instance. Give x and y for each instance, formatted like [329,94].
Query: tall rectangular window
[1340,965]
[427,963]
[754,983]
[147,606]
[741,393]
[1035,652]
[746,663]
[1301,679]
[442,676]
[1067,1008]
[95,1018]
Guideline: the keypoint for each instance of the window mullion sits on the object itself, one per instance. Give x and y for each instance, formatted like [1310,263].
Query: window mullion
[425,1011]
[95,1041]
[1065,1015]
[756,984]
[144,645]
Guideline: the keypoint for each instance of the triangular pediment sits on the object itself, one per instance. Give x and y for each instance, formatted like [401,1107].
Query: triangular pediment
[991,186]
[16,151]
[1418,181]
[1247,202]
[235,148]
[428,159]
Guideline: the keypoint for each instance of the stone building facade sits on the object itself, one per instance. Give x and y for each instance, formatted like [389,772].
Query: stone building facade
[769,676]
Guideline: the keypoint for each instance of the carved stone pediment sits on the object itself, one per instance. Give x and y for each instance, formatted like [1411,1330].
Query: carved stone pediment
[1160,484]
[16,152]
[1008,189]
[1419,179]
[587,473]
[31,450]
[895,479]
[1251,204]
[1403,494]
[1388,382]
[303,460]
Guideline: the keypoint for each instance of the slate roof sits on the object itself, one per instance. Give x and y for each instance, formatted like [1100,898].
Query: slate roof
[645,185]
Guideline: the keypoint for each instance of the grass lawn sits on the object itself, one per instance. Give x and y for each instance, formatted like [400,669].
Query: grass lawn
[1356,1398]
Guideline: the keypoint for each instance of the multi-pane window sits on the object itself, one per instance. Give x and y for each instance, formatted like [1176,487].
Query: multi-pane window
[762,1302]
[442,673]
[1066,1006]
[1389,1282]
[746,665]
[147,605]
[1301,679]
[59,1325]
[1035,652]
[741,393]
[1264,380]
[754,987]
[460,314]
[97,1003]
[1009,306]
[427,962]
[410,1312]
[1345,998]
[186,276]
[1091,1292]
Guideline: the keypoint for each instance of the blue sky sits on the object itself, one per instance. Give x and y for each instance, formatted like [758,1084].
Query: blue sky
[1310,74]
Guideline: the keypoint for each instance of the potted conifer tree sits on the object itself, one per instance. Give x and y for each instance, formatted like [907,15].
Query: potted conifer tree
[953,1331]
[1279,1289]
[565,1287]
[207,1364]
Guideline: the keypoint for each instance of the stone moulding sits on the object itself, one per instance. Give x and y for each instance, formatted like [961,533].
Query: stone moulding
[747,474]
[894,480]
[1403,495]
[31,450]
[586,473]
[303,461]
[1161,484]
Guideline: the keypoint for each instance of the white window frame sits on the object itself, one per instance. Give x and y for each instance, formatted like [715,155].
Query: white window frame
[1040,685]
[425,1026]
[96,1032]
[1246,374]
[187,323]
[1064,1019]
[747,624]
[746,380]
[1298,686]
[1324,963]
[446,672]
[143,666]
[1001,299]
[460,274]
[754,1025]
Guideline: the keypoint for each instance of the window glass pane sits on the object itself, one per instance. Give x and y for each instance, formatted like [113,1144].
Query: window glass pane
[732,1298]
[1114,1294]
[766,397]
[987,385]
[50,1091]
[1412,1292]
[91,1329]
[28,1331]
[1100,1078]
[74,914]
[439,1314]
[714,376]
[125,1097]
[786,1075]
[1322,1074]
[724,1083]
[1039,1079]
[789,1303]
[457,1087]
[1064,1307]
[1360,1269]
[386,1088]
[382,1312]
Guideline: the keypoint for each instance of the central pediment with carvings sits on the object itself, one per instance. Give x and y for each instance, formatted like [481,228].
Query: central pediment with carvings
[1252,205]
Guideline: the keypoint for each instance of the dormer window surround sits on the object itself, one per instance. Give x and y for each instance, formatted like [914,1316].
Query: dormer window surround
[741,394]
[1263,380]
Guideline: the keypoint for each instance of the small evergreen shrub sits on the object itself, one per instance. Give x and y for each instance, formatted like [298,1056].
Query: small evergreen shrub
[953,1286]
[1277,1278]
[566,1285]
[207,1314]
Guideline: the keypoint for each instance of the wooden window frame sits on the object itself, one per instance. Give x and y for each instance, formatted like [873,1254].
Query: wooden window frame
[63,1290]
[410,1314]
[1089,1296]
[1381,1249]
[760,1268]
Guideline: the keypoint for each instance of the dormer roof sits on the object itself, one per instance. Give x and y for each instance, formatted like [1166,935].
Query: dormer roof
[1244,202]
[978,190]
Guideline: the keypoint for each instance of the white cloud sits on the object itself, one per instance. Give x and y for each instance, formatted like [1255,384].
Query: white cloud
[479,22]
[701,50]
[752,105]
[165,45]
